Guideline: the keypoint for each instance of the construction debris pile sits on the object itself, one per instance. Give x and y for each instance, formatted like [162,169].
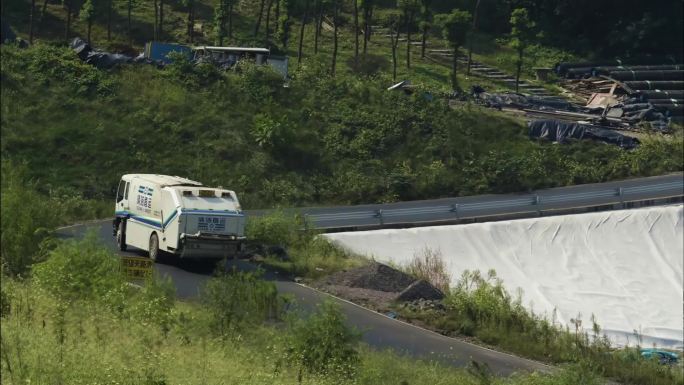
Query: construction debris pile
[627,94]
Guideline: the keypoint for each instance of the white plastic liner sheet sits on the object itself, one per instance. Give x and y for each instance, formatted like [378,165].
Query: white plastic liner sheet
[625,267]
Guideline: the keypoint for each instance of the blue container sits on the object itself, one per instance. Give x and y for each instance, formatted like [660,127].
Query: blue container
[159,51]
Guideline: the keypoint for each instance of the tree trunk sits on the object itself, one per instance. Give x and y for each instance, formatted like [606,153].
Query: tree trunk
[301,32]
[370,18]
[258,23]
[277,11]
[90,26]
[394,36]
[517,73]
[317,27]
[222,22]
[454,79]
[470,41]
[409,17]
[356,32]
[156,20]
[334,54]
[160,34]
[230,19]
[366,28]
[423,41]
[191,21]
[109,20]
[68,20]
[130,33]
[42,14]
[268,20]
[31,22]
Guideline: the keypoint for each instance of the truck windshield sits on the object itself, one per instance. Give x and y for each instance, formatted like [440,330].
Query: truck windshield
[120,191]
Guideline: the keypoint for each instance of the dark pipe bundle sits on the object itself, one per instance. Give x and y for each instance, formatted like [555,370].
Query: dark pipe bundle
[605,70]
[673,102]
[579,72]
[647,75]
[669,94]
[562,68]
[670,110]
[655,85]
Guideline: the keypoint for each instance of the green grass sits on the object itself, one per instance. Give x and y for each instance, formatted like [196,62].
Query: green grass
[46,341]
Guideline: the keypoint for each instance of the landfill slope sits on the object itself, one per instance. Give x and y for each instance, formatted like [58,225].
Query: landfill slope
[625,267]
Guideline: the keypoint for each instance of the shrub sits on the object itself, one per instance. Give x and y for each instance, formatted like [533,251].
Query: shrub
[79,270]
[46,65]
[27,217]
[276,228]
[154,303]
[237,299]
[323,344]
[281,228]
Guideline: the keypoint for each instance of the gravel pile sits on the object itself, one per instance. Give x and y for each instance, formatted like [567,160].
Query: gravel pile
[420,289]
[378,285]
[375,276]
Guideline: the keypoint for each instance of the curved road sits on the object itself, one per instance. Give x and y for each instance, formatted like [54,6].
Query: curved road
[379,331]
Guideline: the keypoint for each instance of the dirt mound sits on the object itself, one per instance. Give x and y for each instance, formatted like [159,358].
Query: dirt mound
[375,276]
[420,289]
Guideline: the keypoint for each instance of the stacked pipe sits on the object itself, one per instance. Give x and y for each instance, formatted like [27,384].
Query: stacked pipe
[641,85]
[562,68]
[659,75]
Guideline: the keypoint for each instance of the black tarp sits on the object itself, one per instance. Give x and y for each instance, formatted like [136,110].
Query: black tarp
[97,58]
[515,100]
[560,131]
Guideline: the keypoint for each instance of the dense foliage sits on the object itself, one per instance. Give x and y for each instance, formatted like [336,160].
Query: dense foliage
[318,140]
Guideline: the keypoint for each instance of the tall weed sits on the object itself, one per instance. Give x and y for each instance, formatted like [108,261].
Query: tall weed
[429,265]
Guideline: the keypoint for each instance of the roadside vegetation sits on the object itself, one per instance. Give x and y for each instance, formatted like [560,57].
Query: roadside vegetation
[75,320]
[288,243]
[479,307]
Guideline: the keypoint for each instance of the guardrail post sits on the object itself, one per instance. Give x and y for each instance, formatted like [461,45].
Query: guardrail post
[454,209]
[620,193]
[537,202]
[378,214]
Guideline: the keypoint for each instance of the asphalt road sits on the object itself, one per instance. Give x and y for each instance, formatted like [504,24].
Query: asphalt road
[379,331]
[535,203]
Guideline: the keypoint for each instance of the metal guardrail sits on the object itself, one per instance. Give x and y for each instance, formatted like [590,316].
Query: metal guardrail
[455,210]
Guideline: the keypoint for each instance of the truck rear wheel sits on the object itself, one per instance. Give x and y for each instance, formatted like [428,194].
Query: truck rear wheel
[154,247]
[121,236]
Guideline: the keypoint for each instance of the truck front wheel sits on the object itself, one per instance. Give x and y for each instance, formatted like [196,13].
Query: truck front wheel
[121,236]
[154,247]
